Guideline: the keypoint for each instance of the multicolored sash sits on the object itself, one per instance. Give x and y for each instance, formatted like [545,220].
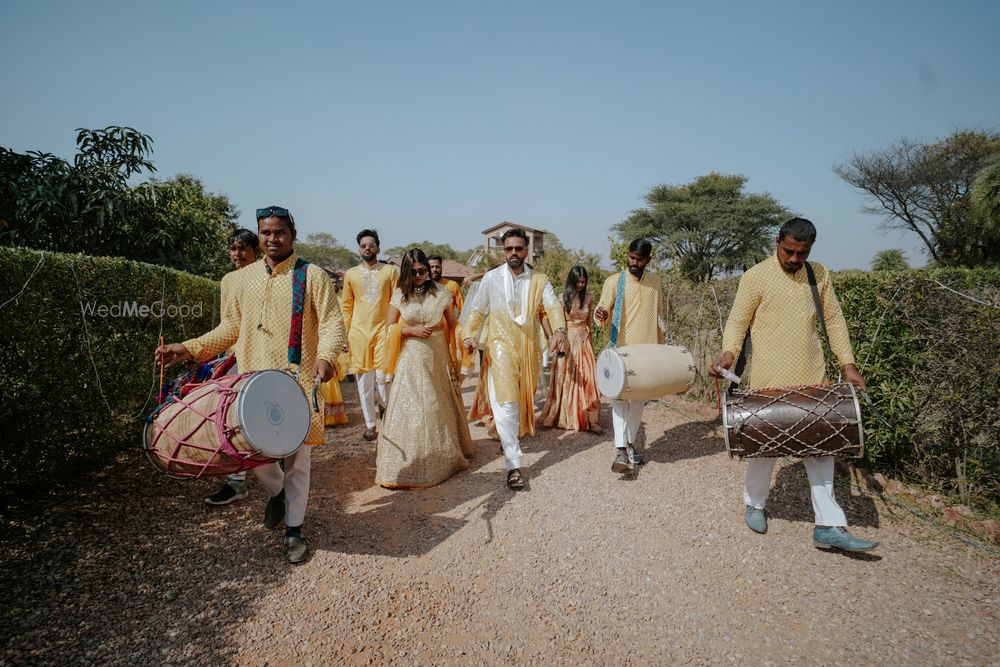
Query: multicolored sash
[616,318]
[298,306]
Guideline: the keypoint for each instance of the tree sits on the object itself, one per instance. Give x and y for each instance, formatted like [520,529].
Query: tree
[558,260]
[707,227]
[443,249]
[925,189]
[986,195]
[88,206]
[324,250]
[892,259]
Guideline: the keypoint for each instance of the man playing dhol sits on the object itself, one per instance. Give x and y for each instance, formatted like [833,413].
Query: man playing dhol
[632,305]
[774,302]
[514,298]
[256,321]
[365,302]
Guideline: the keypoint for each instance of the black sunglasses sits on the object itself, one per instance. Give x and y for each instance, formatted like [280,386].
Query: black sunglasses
[276,211]
[419,272]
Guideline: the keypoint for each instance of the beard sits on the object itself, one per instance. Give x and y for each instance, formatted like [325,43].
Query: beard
[636,271]
[369,256]
[435,275]
[515,262]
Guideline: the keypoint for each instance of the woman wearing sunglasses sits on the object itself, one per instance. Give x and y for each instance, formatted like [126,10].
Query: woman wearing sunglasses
[424,438]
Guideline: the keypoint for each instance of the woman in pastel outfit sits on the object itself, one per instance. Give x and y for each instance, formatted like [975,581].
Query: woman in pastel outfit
[424,438]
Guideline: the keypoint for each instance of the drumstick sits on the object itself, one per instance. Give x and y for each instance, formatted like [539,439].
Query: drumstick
[160,394]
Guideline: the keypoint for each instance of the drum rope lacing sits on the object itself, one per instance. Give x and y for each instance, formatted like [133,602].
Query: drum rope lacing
[767,445]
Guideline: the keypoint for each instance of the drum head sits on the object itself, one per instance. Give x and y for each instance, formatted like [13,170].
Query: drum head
[610,373]
[273,413]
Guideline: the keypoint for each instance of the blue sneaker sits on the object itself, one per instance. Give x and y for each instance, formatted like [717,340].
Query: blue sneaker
[838,537]
[756,520]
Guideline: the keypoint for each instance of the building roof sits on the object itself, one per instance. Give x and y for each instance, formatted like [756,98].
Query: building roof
[507,223]
[449,267]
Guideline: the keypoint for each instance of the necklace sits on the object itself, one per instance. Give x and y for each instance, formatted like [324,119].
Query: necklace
[419,289]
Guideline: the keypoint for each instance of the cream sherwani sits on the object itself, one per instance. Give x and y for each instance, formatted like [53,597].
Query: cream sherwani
[515,305]
[641,322]
[365,303]
[778,309]
[256,318]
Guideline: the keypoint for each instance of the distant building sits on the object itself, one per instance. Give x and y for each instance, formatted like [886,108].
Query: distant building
[450,269]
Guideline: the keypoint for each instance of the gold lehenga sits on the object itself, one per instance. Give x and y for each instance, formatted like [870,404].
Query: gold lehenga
[573,402]
[424,438]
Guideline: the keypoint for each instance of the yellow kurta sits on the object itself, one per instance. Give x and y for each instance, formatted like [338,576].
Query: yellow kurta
[642,308]
[453,336]
[512,353]
[256,319]
[365,303]
[779,310]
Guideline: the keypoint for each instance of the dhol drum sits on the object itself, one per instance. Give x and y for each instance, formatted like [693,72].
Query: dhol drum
[228,425]
[641,372]
[813,420]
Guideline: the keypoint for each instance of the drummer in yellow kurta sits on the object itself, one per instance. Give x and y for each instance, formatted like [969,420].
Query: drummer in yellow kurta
[452,335]
[514,297]
[256,322]
[639,320]
[774,302]
[365,302]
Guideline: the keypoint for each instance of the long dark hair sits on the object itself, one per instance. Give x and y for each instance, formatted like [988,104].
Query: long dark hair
[575,274]
[411,257]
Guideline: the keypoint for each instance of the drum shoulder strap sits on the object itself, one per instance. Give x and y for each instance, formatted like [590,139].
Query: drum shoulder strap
[819,305]
[298,306]
[616,318]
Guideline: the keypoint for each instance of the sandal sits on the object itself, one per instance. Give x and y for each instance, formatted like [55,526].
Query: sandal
[516,479]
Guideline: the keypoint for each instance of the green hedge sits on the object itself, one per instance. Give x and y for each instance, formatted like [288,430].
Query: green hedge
[77,374]
[926,342]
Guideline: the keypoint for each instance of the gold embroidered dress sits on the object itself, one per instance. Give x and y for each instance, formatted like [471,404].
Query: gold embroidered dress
[256,318]
[573,402]
[424,438]
[779,310]
[365,302]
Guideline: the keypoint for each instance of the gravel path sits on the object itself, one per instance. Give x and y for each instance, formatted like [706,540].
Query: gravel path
[585,567]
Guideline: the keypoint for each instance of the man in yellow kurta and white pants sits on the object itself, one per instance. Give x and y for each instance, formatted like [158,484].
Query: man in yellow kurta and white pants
[365,303]
[435,264]
[774,302]
[256,322]
[514,297]
[639,311]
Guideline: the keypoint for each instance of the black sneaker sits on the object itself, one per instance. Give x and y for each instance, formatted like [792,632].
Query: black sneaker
[295,547]
[227,494]
[274,511]
[621,463]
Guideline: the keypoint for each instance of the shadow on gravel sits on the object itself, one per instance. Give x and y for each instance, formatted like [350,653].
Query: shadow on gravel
[690,440]
[132,567]
[790,498]
[411,522]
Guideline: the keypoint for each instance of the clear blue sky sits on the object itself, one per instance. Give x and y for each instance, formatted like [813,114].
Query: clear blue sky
[435,120]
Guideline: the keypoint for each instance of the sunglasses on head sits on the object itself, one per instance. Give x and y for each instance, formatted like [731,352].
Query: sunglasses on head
[275,211]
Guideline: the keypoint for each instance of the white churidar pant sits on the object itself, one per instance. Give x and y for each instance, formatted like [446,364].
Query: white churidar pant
[371,390]
[507,419]
[295,482]
[820,472]
[626,417]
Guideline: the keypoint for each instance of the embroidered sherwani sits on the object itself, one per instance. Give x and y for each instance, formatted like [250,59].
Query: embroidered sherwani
[515,305]
[641,322]
[365,303]
[778,309]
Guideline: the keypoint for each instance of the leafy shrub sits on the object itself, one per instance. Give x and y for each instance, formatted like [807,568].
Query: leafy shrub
[76,385]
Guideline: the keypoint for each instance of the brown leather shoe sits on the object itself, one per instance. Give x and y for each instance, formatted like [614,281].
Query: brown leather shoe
[516,479]
[369,434]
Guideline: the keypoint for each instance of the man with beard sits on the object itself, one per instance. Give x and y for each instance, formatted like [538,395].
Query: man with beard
[635,296]
[514,297]
[267,302]
[774,304]
[436,265]
[365,302]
